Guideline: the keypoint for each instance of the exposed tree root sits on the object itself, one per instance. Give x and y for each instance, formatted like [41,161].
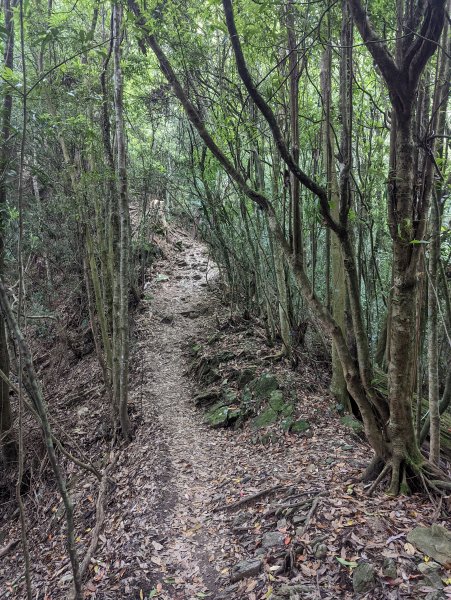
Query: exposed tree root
[373,470]
[445,485]
[379,478]
[406,477]
[251,498]
[277,356]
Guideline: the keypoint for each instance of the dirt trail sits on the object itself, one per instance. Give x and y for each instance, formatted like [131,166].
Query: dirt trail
[190,455]
[163,535]
[166,482]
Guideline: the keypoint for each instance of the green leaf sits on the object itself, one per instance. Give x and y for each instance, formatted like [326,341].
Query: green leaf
[346,563]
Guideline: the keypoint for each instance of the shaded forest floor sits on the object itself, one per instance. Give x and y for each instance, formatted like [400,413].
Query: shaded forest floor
[189,503]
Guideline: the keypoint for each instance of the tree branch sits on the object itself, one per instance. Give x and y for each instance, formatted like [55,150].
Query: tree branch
[382,56]
[426,43]
[268,114]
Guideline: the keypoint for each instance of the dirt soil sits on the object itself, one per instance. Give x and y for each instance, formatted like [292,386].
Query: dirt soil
[174,529]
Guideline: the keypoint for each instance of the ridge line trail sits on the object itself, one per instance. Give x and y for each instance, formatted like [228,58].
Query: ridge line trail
[164,530]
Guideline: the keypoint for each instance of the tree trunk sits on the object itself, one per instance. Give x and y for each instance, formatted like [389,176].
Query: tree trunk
[433,373]
[279,269]
[293,64]
[338,283]
[7,438]
[438,126]
[122,337]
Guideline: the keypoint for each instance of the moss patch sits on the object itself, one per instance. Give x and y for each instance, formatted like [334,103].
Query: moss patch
[221,415]
[263,386]
[267,417]
[352,423]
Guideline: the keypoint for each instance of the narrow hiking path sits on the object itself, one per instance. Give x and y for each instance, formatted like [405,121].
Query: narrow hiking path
[165,535]
[166,474]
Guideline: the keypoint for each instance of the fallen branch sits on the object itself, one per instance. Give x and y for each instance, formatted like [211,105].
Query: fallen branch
[310,514]
[281,508]
[100,516]
[6,549]
[248,499]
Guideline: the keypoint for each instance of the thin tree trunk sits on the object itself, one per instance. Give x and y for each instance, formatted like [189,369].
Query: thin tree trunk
[21,312]
[433,373]
[124,276]
[438,123]
[338,383]
[7,438]
[279,268]
[40,406]
[294,128]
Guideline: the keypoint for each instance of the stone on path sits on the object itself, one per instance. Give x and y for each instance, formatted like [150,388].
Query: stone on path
[434,541]
[363,578]
[245,568]
[431,574]
[296,591]
[272,539]
[389,568]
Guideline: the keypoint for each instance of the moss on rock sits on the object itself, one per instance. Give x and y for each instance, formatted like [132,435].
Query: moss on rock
[267,417]
[221,415]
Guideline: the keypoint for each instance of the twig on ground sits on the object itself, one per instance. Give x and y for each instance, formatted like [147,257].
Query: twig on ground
[248,499]
[6,549]
[310,514]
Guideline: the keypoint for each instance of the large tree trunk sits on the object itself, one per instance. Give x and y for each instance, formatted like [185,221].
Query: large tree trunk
[401,367]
